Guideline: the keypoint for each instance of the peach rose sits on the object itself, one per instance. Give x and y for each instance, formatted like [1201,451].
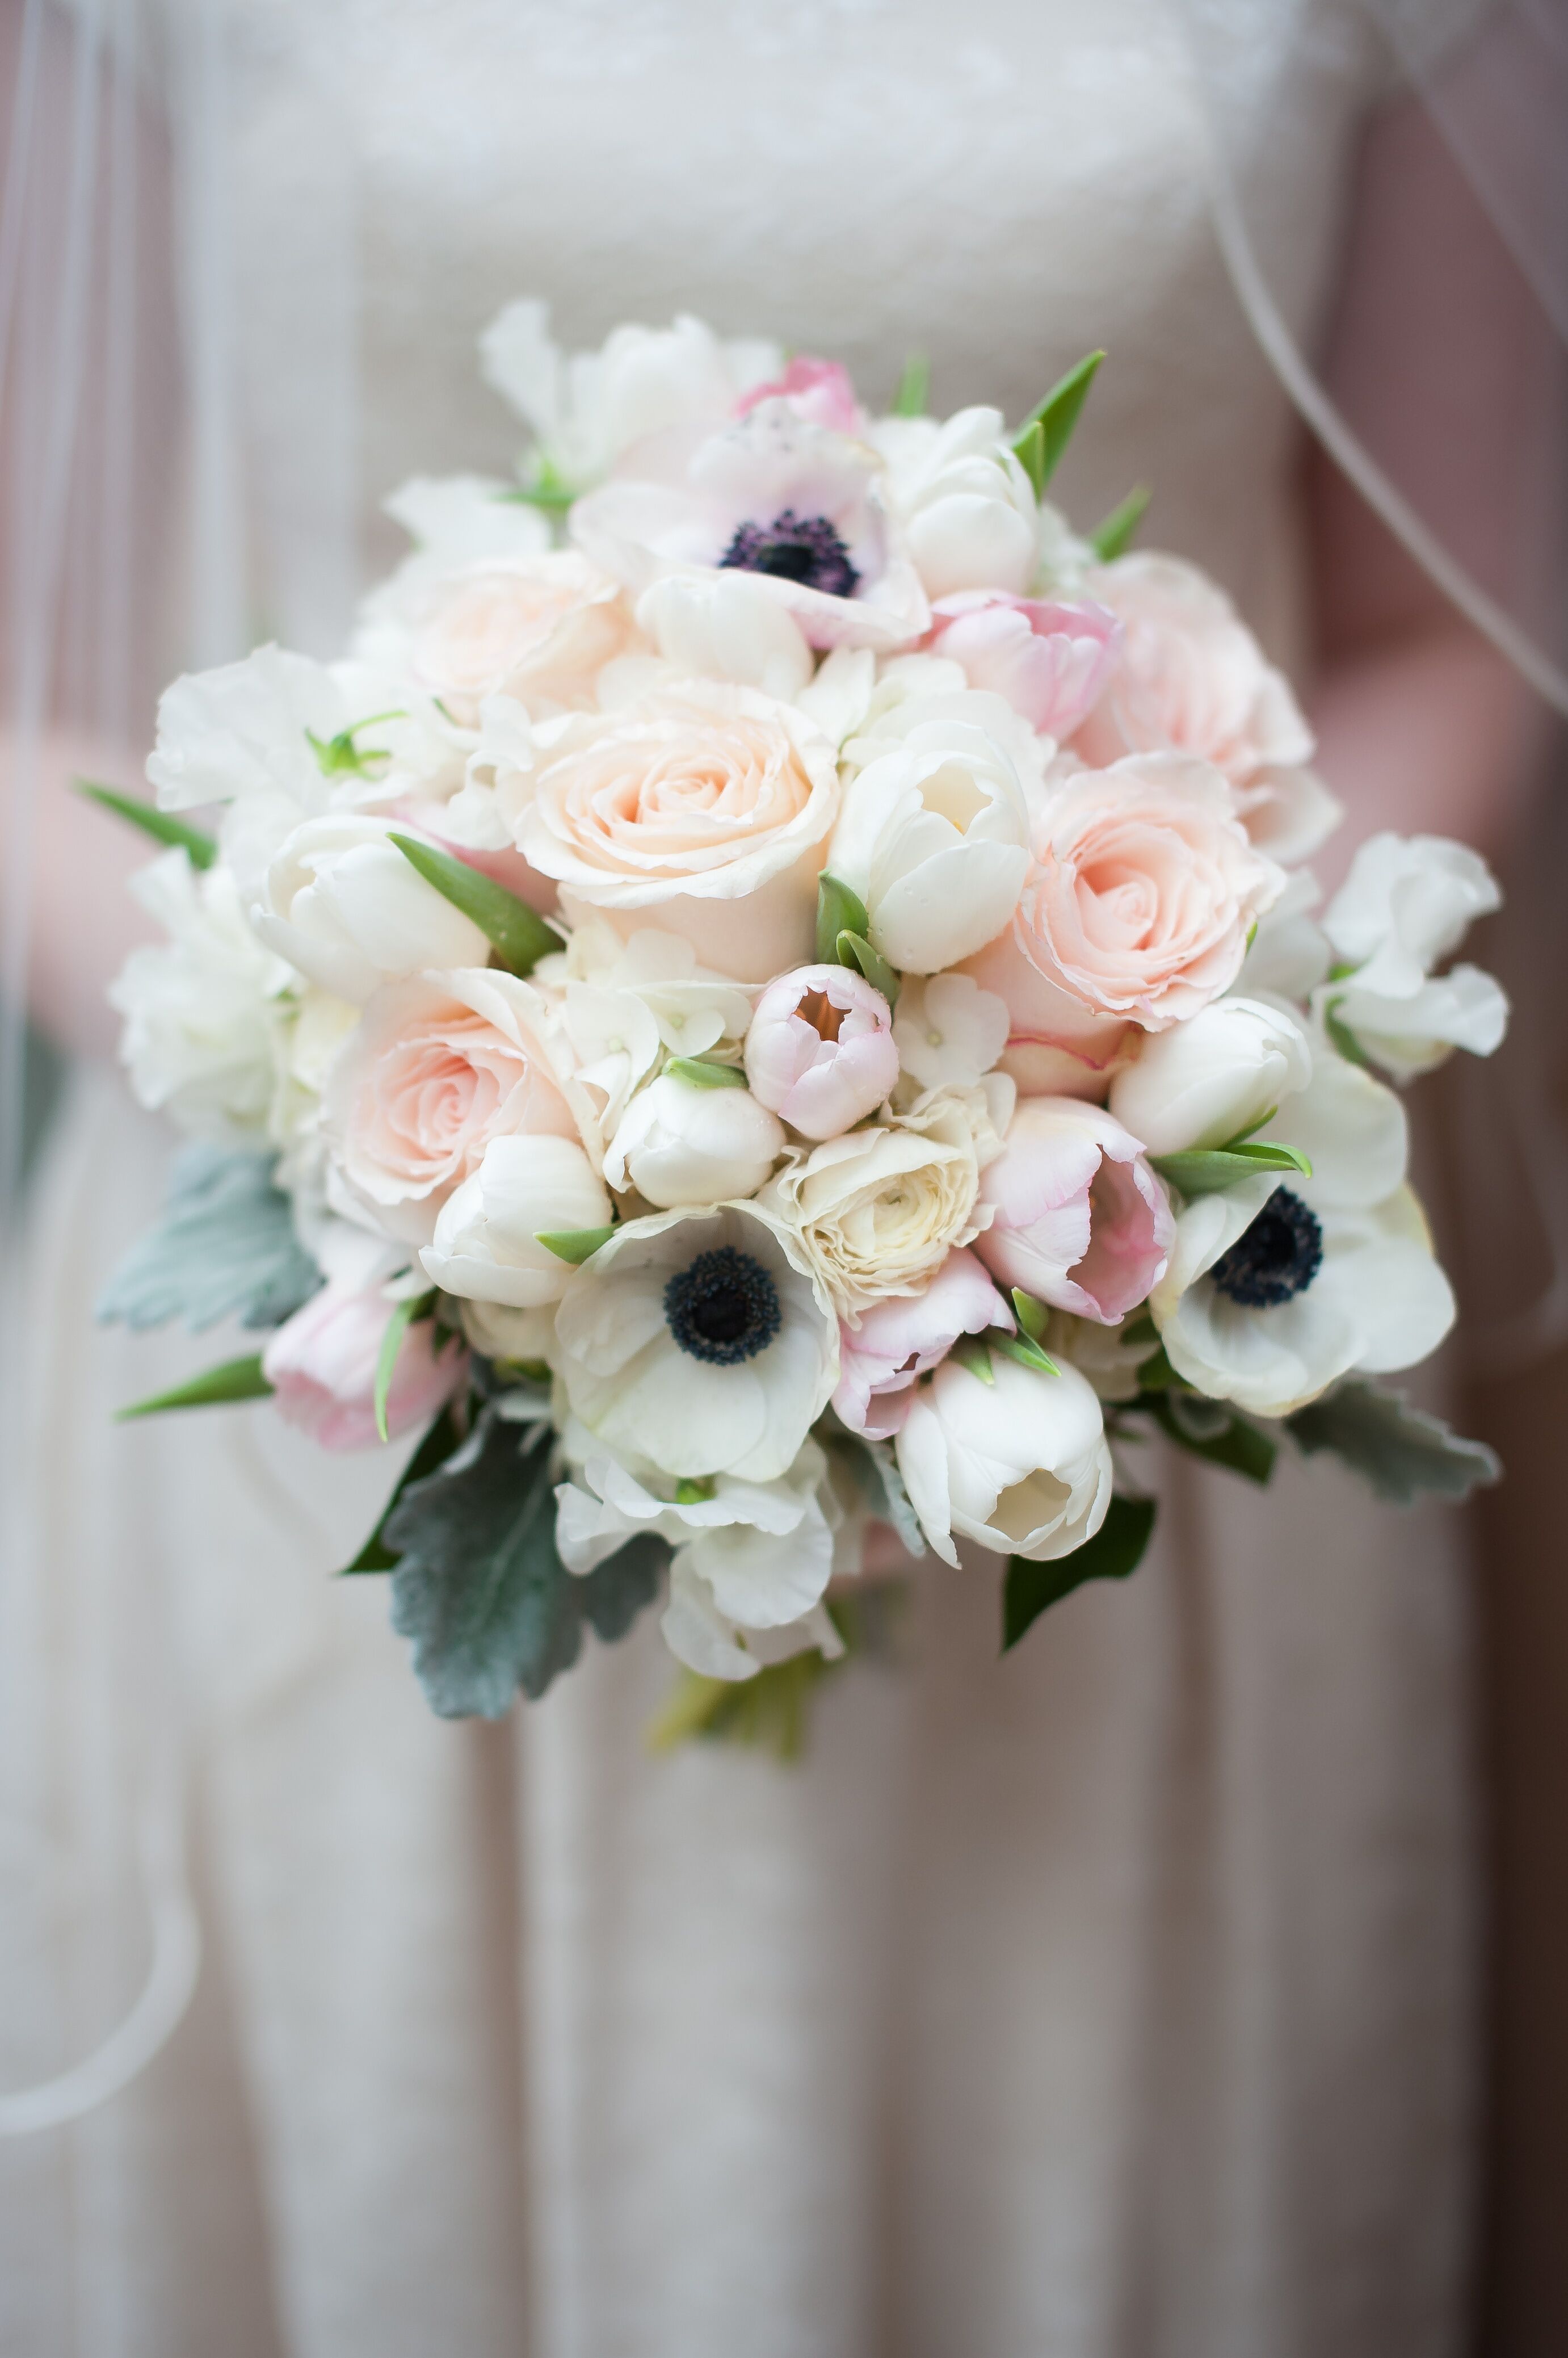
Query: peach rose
[437,1068]
[711,807]
[1142,896]
[539,629]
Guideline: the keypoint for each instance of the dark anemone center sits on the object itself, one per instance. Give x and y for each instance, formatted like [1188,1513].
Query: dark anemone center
[1275,1259]
[724,1308]
[807,549]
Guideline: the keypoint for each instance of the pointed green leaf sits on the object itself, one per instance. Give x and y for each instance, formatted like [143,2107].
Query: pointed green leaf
[338,756]
[1033,1316]
[1343,1037]
[444,1438]
[1030,451]
[1116,1549]
[855,950]
[972,1352]
[574,1245]
[236,1379]
[705,1073]
[1021,1348]
[162,826]
[913,387]
[839,911]
[1112,536]
[518,932]
[1056,417]
[403,1313]
[1206,1170]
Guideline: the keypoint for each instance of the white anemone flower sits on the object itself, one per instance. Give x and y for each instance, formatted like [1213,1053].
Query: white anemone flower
[1274,1291]
[697,1343]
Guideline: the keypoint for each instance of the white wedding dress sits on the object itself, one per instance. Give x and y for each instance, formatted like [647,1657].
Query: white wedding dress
[1111,2001]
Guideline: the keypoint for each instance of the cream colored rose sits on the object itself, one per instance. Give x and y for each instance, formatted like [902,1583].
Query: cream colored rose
[878,1211]
[539,629]
[711,807]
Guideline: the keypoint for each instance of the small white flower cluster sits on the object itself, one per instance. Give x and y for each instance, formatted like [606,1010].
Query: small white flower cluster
[766,929]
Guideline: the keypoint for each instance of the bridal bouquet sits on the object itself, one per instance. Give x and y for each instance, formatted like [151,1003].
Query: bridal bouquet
[772,1010]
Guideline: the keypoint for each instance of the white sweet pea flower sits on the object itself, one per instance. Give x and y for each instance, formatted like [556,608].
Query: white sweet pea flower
[967,506]
[726,626]
[346,908]
[692,1008]
[1207,1081]
[1021,1465]
[934,839]
[615,1041]
[680,1141]
[203,1037]
[1405,906]
[486,1246]
[587,408]
[698,1344]
[1288,954]
[1274,1292]
[948,1032]
[708,1643]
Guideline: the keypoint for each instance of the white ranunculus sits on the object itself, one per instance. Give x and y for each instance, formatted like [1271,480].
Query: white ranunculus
[968,508]
[878,1211]
[1405,906]
[1274,1292]
[680,1141]
[204,1033]
[586,408]
[726,626]
[698,1343]
[1021,1465]
[1207,1081]
[346,908]
[486,1246]
[934,839]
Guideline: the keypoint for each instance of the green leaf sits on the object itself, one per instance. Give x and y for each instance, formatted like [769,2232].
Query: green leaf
[695,1490]
[574,1245]
[162,826]
[403,1313]
[770,1712]
[518,932]
[546,491]
[338,756]
[1055,418]
[444,1438]
[479,1587]
[1237,1444]
[1022,1348]
[224,1247]
[1116,1549]
[839,911]
[913,387]
[1155,1374]
[236,1379]
[973,1352]
[855,950]
[1113,535]
[1343,1037]
[1402,1450]
[706,1073]
[1030,451]
[1033,1316]
[1206,1170]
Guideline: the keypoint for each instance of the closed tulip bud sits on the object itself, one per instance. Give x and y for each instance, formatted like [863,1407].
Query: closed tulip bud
[1077,1216]
[486,1246]
[1209,1080]
[345,907]
[820,1049]
[1020,1464]
[681,1142]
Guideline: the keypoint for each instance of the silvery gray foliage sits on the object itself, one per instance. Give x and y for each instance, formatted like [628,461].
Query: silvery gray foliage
[479,1586]
[1402,1450]
[882,1484]
[224,1247]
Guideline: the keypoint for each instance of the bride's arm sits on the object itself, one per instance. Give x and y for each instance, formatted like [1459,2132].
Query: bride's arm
[1441,350]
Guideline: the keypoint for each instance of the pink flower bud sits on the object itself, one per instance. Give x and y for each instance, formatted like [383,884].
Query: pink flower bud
[820,1050]
[1078,1219]
[898,1339]
[1050,661]
[820,389]
[321,1366]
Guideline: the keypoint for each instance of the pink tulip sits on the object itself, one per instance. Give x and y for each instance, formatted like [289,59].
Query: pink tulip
[820,389]
[901,1338]
[1079,1221]
[321,1366]
[1049,661]
[820,1050]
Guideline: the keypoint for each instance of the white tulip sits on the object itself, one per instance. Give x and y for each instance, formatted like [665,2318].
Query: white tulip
[967,506]
[1207,1081]
[1019,1465]
[486,1246]
[934,839]
[345,907]
[683,1142]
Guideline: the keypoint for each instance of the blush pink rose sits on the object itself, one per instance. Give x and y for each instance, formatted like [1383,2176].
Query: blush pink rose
[1056,1045]
[437,1068]
[1049,661]
[538,629]
[819,390]
[820,1049]
[321,1365]
[1078,1220]
[898,1340]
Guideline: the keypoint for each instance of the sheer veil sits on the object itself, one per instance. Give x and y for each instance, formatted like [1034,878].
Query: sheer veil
[151,524]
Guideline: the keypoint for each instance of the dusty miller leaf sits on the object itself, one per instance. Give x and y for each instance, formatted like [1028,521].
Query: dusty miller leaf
[223,1246]
[1404,1453]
